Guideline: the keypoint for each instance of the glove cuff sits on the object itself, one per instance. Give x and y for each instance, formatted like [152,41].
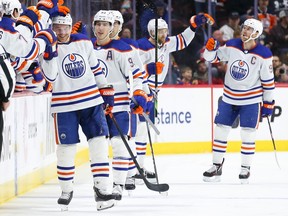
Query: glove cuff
[268,105]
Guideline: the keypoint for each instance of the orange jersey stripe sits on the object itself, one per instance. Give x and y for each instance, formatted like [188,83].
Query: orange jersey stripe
[76,96]
[244,94]
[121,98]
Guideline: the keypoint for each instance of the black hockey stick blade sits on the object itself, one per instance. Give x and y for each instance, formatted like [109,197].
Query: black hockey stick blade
[151,186]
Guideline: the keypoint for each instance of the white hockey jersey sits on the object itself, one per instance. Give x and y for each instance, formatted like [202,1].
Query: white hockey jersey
[172,44]
[138,61]
[16,44]
[120,70]
[249,77]
[79,76]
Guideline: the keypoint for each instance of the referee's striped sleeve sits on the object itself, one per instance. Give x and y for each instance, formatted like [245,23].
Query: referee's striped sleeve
[6,82]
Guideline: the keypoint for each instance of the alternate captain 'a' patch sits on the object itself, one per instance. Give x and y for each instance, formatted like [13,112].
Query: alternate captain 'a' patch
[239,70]
[73,65]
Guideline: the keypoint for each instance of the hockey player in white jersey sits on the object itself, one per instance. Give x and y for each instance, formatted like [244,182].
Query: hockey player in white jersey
[118,22]
[249,84]
[116,57]
[23,46]
[77,101]
[165,45]
[29,73]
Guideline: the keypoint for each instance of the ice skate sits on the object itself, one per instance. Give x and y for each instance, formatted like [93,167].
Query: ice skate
[130,185]
[151,177]
[244,174]
[64,200]
[117,191]
[103,199]
[214,173]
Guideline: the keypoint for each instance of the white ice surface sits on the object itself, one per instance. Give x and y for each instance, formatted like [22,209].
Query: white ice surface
[266,194]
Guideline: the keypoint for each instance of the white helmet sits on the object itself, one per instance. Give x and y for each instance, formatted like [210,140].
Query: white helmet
[118,16]
[10,5]
[151,26]
[256,25]
[65,20]
[105,16]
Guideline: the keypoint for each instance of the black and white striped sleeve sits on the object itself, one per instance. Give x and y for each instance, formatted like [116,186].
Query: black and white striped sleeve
[7,80]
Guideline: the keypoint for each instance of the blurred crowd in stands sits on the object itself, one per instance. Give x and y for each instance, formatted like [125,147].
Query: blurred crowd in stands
[187,66]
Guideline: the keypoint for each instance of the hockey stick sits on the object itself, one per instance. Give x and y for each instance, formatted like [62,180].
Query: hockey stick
[152,153]
[151,186]
[156,75]
[148,121]
[274,145]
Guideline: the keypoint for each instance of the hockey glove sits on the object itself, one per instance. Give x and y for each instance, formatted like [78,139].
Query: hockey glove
[139,104]
[150,103]
[197,20]
[107,94]
[48,36]
[62,11]
[35,70]
[155,67]
[50,51]
[79,27]
[53,7]
[212,44]
[29,17]
[267,108]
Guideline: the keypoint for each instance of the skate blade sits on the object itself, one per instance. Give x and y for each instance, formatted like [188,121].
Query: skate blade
[103,205]
[212,179]
[63,207]
[244,181]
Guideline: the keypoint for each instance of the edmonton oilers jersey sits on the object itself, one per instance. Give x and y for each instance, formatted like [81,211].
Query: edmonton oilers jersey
[79,75]
[249,77]
[172,44]
[116,59]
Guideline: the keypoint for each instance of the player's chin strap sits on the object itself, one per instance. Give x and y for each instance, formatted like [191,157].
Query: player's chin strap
[105,37]
[252,38]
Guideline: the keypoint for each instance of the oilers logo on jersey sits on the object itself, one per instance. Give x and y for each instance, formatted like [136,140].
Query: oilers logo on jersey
[239,70]
[73,65]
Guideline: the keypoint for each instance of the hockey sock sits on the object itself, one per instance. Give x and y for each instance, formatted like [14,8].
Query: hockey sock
[220,143]
[99,161]
[65,166]
[131,166]
[120,160]
[248,145]
[141,142]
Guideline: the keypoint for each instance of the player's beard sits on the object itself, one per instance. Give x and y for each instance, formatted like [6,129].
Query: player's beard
[161,41]
[63,38]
